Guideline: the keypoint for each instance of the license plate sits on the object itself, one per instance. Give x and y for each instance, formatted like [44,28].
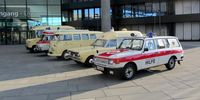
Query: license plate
[100,68]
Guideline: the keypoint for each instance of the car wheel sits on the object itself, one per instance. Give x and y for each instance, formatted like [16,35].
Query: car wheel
[171,63]
[89,61]
[64,55]
[128,72]
[33,49]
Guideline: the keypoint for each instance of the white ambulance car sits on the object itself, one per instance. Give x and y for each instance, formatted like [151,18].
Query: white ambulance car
[139,53]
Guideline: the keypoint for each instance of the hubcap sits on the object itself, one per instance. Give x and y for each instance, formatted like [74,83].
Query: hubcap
[91,61]
[34,49]
[66,55]
[129,72]
[172,63]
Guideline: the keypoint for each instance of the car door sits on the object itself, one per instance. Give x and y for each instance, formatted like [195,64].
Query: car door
[150,56]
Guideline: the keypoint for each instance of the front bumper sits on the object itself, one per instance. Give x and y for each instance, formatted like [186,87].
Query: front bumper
[112,71]
[43,47]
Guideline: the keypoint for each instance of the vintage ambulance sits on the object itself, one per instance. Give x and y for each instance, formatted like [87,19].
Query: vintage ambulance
[66,40]
[31,43]
[140,53]
[44,43]
[107,42]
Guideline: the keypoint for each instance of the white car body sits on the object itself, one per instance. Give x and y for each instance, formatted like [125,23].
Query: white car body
[117,59]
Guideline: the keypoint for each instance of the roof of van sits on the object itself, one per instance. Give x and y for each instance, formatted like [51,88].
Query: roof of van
[76,32]
[118,34]
[154,37]
[53,27]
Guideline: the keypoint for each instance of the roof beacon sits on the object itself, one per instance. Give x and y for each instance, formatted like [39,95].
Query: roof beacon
[150,34]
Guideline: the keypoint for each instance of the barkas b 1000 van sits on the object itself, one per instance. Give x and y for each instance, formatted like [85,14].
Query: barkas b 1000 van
[66,40]
[107,42]
[140,53]
[44,43]
[38,30]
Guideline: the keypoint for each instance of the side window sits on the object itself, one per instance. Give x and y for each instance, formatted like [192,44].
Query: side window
[93,36]
[85,37]
[173,43]
[67,37]
[77,37]
[160,44]
[150,45]
[112,43]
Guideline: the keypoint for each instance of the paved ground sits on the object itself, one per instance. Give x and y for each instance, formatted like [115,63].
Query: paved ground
[25,76]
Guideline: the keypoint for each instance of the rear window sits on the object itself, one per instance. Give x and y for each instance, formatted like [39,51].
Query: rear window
[173,43]
[77,37]
[85,37]
[93,36]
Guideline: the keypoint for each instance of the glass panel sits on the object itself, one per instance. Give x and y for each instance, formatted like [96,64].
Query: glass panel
[79,14]
[91,13]
[14,2]
[97,12]
[112,43]
[85,37]
[160,44]
[75,15]
[77,37]
[150,45]
[86,13]
[1,2]
[173,43]
[37,2]
[93,36]
[68,37]
[54,2]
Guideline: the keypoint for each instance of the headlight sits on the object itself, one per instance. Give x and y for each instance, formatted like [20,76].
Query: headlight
[110,62]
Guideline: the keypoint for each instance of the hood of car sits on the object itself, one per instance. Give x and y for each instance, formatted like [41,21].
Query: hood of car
[119,53]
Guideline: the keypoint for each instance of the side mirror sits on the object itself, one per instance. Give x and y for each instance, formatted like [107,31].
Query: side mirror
[146,49]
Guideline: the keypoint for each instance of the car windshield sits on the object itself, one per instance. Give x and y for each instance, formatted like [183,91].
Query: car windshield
[39,33]
[47,37]
[133,44]
[99,42]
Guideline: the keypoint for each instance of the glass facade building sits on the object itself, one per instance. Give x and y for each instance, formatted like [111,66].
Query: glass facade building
[179,18]
[17,17]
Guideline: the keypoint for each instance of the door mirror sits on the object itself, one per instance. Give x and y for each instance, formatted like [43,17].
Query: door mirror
[146,49]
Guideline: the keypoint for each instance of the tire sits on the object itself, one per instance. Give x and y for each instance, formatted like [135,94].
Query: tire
[128,72]
[89,62]
[171,63]
[33,49]
[63,55]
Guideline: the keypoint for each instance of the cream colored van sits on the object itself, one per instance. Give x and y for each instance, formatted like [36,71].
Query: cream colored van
[31,43]
[66,40]
[109,41]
